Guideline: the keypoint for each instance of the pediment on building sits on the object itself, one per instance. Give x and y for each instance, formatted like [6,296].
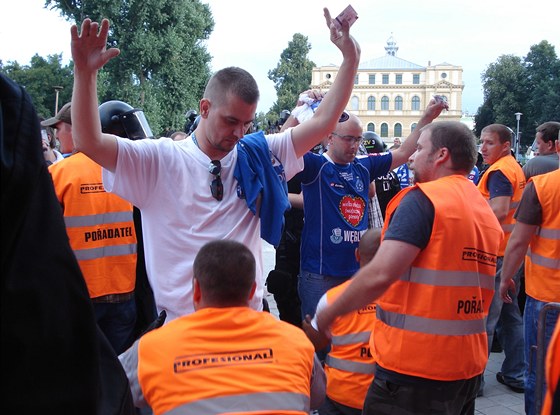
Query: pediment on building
[326,84]
[444,84]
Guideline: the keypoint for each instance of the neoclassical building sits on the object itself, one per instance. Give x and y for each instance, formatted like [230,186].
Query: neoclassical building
[391,93]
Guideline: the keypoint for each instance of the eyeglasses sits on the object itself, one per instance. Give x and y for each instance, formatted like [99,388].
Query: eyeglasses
[349,139]
[216,187]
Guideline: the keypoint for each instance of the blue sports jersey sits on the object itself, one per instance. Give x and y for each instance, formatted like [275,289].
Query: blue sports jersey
[403,173]
[335,211]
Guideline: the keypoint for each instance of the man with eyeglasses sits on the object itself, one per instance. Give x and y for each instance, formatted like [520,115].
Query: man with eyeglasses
[202,188]
[335,187]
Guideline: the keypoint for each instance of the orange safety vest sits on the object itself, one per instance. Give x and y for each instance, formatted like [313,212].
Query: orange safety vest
[542,263]
[552,370]
[99,226]
[431,323]
[226,360]
[349,366]
[514,173]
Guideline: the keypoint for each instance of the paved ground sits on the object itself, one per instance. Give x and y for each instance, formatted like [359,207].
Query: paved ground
[497,400]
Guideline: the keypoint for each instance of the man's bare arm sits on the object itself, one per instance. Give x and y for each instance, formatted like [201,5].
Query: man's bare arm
[408,147]
[308,134]
[513,257]
[89,54]
[392,259]
[500,207]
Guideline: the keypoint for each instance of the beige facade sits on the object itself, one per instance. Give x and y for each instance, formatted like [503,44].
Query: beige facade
[391,93]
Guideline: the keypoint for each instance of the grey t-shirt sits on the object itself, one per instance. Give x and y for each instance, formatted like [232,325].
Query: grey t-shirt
[540,165]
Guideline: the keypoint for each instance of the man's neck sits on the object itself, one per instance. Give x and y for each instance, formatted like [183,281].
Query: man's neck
[332,159]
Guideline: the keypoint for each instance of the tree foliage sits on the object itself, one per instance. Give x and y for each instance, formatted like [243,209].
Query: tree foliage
[529,85]
[163,66]
[292,75]
[39,79]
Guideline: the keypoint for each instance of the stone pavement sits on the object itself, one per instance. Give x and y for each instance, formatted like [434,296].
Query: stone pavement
[498,399]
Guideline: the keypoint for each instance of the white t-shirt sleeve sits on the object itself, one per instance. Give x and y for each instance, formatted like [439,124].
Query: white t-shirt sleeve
[282,147]
[321,305]
[137,170]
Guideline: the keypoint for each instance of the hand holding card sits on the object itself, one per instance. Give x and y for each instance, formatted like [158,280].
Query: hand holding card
[348,14]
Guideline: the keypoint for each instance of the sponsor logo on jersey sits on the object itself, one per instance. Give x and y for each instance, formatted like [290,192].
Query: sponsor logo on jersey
[352,209]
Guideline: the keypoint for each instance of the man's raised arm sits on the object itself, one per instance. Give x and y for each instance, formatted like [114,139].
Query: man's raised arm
[403,153]
[308,134]
[89,54]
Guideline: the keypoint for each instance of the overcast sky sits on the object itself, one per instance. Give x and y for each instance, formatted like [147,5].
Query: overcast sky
[252,34]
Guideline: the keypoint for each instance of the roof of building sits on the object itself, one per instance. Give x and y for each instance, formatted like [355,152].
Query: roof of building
[389,62]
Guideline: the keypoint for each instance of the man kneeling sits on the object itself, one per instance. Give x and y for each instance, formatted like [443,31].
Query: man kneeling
[225,357]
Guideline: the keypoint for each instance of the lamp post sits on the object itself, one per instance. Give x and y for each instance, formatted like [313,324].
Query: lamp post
[517,117]
[57,89]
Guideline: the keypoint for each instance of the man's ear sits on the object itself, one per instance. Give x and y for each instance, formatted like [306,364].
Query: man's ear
[442,155]
[253,289]
[197,295]
[204,107]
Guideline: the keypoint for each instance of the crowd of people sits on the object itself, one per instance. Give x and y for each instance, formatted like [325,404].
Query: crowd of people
[148,292]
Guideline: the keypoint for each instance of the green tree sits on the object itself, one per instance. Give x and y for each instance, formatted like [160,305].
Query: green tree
[163,66]
[530,85]
[543,79]
[504,84]
[292,75]
[39,79]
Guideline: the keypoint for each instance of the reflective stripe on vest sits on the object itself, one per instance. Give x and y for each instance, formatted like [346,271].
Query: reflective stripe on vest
[448,278]
[352,338]
[105,251]
[431,325]
[549,233]
[264,401]
[543,261]
[350,366]
[97,219]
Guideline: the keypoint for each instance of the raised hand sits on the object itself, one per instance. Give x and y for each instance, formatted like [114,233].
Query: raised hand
[342,39]
[89,46]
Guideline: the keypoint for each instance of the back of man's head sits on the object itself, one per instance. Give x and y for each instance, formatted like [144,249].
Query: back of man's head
[369,243]
[235,81]
[505,134]
[225,271]
[549,131]
[459,141]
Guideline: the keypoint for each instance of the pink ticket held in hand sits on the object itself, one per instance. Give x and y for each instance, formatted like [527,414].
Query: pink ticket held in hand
[348,14]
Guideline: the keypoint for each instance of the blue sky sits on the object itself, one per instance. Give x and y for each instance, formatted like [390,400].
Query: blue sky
[252,35]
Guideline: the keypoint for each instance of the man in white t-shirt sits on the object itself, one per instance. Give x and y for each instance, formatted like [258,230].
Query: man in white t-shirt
[189,192]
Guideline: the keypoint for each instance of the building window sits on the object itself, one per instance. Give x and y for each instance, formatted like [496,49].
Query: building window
[354,103]
[385,79]
[371,127]
[372,79]
[384,130]
[398,103]
[415,103]
[371,103]
[356,78]
[385,103]
[416,79]
[398,79]
[413,127]
[328,76]
[398,129]
[443,75]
